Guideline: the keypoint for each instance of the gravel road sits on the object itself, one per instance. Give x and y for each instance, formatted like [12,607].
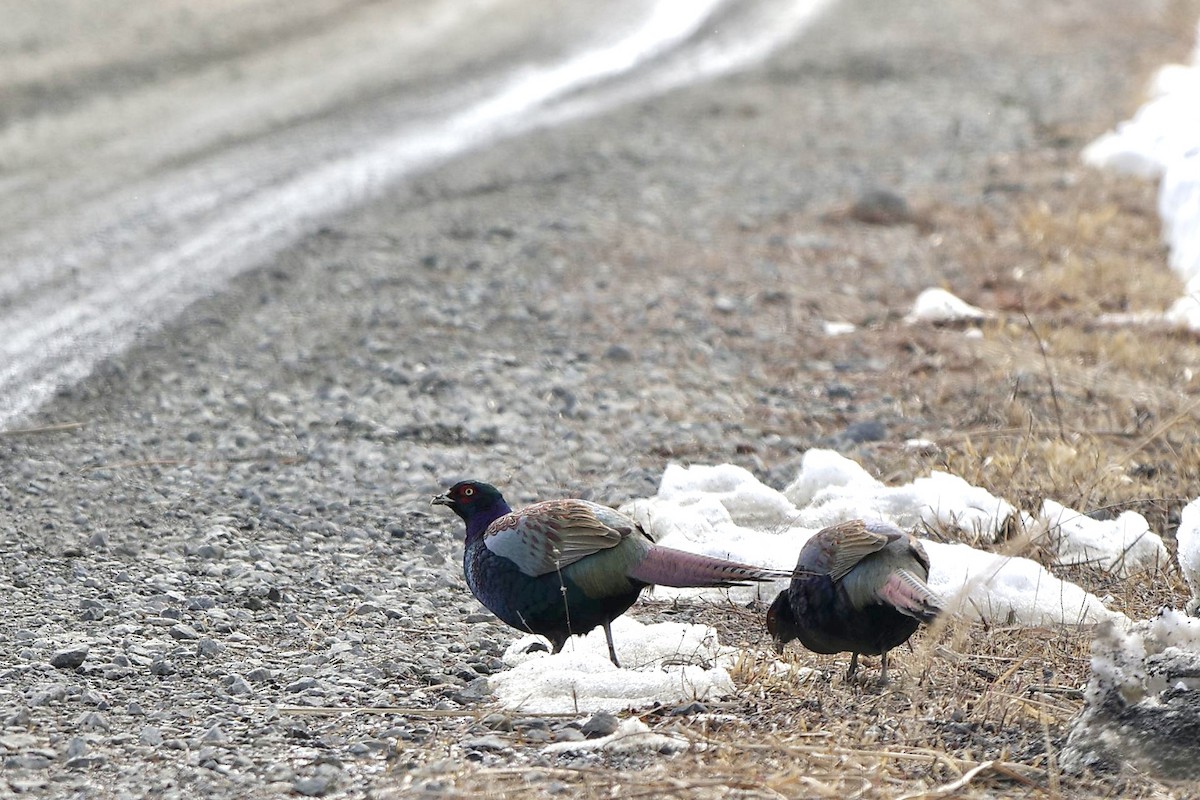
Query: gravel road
[235,519]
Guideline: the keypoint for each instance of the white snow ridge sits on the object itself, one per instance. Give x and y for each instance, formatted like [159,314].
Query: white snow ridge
[725,511]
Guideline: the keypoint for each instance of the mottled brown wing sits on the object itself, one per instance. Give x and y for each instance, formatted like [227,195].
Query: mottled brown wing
[554,534]
[851,542]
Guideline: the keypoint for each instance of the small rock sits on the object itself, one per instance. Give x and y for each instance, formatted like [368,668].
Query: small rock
[201,603]
[259,675]
[28,761]
[70,657]
[92,721]
[161,666]
[150,736]
[183,632]
[55,693]
[214,734]
[497,722]
[530,723]
[569,734]
[870,430]
[77,747]
[302,685]
[473,692]
[238,686]
[208,647]
[490,743]
[881,207]
[602,724]
[18,741]
[320,783]
[694,707]
[619,353]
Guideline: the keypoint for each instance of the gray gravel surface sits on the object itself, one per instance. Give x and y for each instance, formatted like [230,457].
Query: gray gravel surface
[240,526]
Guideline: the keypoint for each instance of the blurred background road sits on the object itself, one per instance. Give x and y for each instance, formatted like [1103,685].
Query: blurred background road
[151,152]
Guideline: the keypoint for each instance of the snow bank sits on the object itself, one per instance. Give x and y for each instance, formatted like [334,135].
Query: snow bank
[669,662]
[832,489]
[1187,540]
[692,512]
[1123,546]
[1162,140]
[1143,700]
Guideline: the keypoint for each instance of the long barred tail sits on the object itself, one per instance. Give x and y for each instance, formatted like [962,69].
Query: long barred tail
[666,567]
[909,595]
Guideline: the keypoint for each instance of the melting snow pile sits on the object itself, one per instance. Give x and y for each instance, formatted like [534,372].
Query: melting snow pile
[1123,546]
[1161,141]
[939,306]
[1143,700]
[631,735]
[725,511]
[668,663]
[1188,540]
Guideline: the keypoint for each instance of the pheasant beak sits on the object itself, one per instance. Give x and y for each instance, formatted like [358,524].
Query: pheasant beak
[441,500]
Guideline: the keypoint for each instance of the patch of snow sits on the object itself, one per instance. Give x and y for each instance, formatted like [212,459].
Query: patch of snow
[1161,141]
[1009,590]
[668,662]
[1123,546]
[938,305]
[747,499]
[825,470]
[631,736]
[838,328]
[1187,540]
[831,488]
[939,500]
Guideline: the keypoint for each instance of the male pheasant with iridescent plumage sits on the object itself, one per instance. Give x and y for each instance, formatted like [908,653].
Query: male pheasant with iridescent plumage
[858,587]
[561,567]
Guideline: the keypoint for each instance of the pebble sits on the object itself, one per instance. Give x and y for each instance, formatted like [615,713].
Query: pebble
[870,430]
[70,657]
[598,725]
[214,734]
[490,743]
[151,736]
[497,721]
[183,632]
[92,721]
[316,786]
[77,747]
